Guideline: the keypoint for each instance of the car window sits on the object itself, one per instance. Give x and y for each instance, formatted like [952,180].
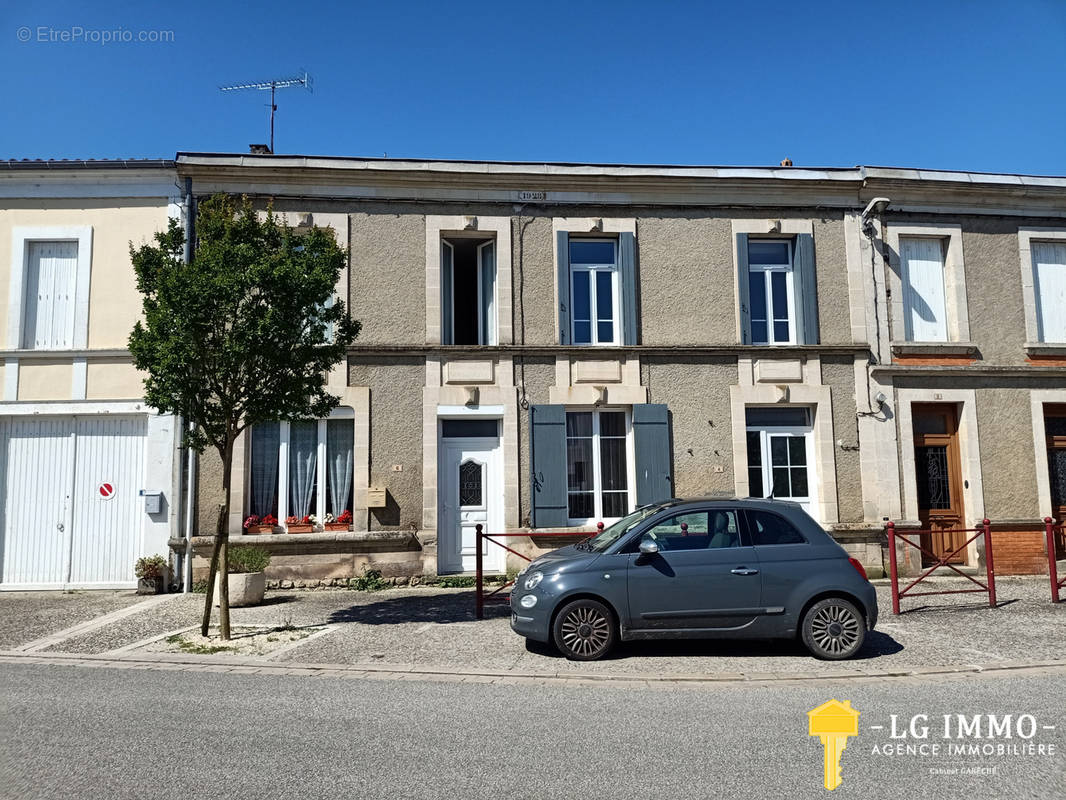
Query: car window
[768,528]
[700,530]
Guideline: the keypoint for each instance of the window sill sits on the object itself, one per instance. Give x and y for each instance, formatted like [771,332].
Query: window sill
[1046,349]
[938,349]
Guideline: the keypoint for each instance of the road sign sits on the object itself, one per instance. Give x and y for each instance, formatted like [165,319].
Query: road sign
[106,490]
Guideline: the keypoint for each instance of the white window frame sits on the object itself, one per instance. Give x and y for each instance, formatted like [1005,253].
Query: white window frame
[958,321]
[21,238]
[616,305]
[447,240]
[807,432]
[790,290]
[597,483]
[1027,237]
[321,476]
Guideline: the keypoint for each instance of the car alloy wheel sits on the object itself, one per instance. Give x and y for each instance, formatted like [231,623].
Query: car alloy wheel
[584,630]
[833,629]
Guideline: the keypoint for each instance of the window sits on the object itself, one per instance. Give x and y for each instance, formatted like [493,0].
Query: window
[779,444]
[701,530]
[301,468]
[468,291]
[1049,279]
[597,465]
[771,291]
[50,287]
[594,291]
[924,298]
[767,529]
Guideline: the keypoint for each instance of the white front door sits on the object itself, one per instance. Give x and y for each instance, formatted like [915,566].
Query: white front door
[470,493]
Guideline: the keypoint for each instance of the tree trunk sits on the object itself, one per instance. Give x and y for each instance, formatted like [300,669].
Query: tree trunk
[219,553]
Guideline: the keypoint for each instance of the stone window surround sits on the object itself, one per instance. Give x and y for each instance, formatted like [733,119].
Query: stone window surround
[812,393]
[593,226]
[21,236]
[958,321]
[1026,237]
[767,228]
[438,226]
[973,500]
[1037,399]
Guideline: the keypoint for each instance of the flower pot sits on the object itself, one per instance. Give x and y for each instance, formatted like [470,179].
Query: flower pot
[260,529]
[245,588]
[337,526]
[300,527]
[150,585]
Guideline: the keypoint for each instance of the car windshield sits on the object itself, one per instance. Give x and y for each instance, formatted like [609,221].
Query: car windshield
[608,536]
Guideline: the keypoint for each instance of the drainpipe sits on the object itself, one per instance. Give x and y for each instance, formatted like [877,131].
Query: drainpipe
[190,480]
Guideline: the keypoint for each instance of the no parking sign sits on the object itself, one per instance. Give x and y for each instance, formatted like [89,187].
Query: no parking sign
[106,490]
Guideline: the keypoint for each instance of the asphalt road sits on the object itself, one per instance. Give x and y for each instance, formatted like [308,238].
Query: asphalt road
[106,733]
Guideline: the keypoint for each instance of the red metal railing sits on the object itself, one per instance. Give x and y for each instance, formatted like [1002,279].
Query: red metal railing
[1053,572]
[989,587]
[480,597]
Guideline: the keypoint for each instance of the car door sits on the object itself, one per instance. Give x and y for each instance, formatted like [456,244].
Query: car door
[703,577]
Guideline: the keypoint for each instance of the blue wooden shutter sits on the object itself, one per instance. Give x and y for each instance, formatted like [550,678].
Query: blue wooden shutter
[806,290]
[627,262]
[548,466]
[742,288]
[562,248]
[651,445]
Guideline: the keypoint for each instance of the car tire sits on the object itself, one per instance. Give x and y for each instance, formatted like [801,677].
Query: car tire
[833,629]
[584,630]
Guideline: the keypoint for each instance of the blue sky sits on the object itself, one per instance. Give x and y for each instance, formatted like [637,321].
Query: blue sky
[953,85]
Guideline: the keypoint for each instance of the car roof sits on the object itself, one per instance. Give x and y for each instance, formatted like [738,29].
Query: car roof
[769,503]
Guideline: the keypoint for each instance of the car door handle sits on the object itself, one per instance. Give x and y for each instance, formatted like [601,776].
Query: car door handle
[744,571]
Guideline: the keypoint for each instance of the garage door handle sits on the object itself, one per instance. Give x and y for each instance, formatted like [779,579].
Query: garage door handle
[60,527]
[744,571]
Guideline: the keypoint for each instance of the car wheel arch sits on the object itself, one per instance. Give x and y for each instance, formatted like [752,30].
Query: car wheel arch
[570,598]
[827,594]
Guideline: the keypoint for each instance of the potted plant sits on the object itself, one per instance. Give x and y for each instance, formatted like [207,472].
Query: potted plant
[298,525]
[341,523]
[246,579]
[151,572]
[255,524]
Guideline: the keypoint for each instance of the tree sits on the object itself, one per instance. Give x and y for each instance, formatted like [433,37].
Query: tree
[244,333]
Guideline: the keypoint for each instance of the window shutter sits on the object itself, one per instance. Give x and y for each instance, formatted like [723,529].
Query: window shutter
[562,247]
[548,459]
[627,260]
[806,286]
[742,288]
[651,444]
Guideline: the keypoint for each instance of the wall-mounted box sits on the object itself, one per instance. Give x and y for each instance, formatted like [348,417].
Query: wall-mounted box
[153,501]
[375,497]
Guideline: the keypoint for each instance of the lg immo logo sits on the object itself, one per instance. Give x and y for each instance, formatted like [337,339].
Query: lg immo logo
[833,722]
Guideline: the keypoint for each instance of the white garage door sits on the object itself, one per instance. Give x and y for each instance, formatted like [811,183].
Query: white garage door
[71,508]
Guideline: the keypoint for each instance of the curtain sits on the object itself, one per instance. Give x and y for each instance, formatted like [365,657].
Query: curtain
[303,450]
[340,438]
[265,439]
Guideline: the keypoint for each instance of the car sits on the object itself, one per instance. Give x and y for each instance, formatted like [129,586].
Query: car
[700,568]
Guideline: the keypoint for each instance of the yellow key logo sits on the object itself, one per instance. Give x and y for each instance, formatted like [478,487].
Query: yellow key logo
[833,722]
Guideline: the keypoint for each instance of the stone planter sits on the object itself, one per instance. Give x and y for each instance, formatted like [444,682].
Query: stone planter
[260,529]
[338,526]
[301,527]
[150,585]
[245,588]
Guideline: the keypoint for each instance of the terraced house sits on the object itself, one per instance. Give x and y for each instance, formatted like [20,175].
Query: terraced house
[547,346]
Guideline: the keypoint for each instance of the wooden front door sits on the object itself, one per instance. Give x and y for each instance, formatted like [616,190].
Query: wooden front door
[1055,437]
[939,477]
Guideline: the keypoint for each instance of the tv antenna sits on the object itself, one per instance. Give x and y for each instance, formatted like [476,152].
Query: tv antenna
[273,85]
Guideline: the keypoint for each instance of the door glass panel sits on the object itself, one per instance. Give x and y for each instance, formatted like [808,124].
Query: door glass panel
[1056,460]
[1055,426]
[757,301]
[604,307]
[779,296]
[464,428]
[471,477]
[931,467]
[930,422]
[755,464]
[582,307]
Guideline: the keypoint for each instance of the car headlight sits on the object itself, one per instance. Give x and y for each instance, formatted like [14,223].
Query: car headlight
[528,601]
[534,580]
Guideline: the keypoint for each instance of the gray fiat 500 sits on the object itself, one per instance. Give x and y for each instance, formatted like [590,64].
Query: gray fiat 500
[756,569]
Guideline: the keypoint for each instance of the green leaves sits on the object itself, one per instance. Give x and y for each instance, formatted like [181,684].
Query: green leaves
[241,334]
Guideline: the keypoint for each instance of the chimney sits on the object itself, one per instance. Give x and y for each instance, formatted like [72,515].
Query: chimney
[259,149]
[786,162]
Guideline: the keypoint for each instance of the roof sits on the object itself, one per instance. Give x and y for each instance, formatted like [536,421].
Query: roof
[86,163]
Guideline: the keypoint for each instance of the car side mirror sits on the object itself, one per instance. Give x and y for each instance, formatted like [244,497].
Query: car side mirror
[648,547]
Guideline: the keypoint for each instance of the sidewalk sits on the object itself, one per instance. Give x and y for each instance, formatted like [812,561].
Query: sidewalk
[429,629]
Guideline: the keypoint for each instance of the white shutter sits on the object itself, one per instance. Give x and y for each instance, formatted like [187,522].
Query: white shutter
[1049,273]
[51,281]
[924,308]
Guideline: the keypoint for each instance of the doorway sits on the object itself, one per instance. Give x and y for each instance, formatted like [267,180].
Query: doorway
[470,492]
[938,474]
[1055,439]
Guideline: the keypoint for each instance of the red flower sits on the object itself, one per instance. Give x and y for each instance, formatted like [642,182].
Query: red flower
[252,520]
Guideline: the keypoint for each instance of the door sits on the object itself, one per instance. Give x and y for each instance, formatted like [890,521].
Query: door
[471,493]
[1055,438]
[71,506]
[702,578]
[939,477]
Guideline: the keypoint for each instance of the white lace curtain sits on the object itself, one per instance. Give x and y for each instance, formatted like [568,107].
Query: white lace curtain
[303,452]
[265,441]
[340,437]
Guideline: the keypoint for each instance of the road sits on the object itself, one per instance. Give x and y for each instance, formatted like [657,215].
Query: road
[108,733]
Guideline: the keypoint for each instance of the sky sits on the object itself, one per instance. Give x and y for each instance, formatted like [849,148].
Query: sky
[965,85]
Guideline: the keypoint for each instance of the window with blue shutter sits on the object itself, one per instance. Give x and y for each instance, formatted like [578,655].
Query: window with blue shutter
[547,425]
[777,290]
[597,290]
